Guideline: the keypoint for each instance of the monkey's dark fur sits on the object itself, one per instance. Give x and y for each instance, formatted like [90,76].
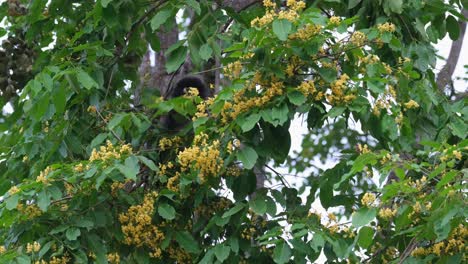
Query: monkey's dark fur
[172,121]
[187,82]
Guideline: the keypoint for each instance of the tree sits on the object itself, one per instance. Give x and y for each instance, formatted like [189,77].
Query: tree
[89,176]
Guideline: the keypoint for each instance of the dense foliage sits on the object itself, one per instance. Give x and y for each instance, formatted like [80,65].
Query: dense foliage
[86,176]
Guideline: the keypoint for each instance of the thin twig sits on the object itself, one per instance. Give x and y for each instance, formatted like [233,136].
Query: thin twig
[281,177]
[112,131]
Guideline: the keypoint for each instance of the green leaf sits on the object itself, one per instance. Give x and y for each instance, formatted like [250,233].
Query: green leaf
[234,210]
[187,242]
[175,58]
[149,163]
[72,233]
[104,3]
[328,74]
[43,200]
[452,27]
[353,3]
[40,107]
[363,216]
[258,204]
[12,202]
[248,156]
[458,127]
[131,168]
[166,211]
[282,253]
[396,6]
[281,28]
[85,79]
[362,161]
[44,249]
[222,252]
[160,18]
[195,5]
[59,99]
[249,122]
[296,98]
[115,121]
[365,237]
[205,52]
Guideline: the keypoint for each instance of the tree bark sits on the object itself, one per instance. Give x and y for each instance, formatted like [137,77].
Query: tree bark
[238,5]
[445,75]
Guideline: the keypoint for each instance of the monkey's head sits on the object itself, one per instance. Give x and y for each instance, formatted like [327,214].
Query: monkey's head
[174,122]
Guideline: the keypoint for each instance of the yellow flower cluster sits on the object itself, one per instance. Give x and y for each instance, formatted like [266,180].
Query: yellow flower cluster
[116,186]
[179,255]
[233,70]
[192,92]
[109,152]
[269,4]
[386,27]
[113,258]
[296,5]
[411,104]
[264,20]
[13,190]
[338,91]
[30,211]
[34,247]
[248,233]
[80,167]
[387,213]
[213,207]
[241,104]
[307,88]
[385,159]
[163,167]
[457,154]
[2,249]
[59,260]
[137,226]
[167,143]
[293,65]
[202,108]
[173,182]
[92,109]
[334,21]
[369,59]
[455,243]
[307,32]
[368,199]
[358,38]
[234,171]
[380,104]
[203,156]
[363,149]
[43,174]
[291,14]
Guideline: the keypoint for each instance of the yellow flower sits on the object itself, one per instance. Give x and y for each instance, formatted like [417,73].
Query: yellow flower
[368,199]
[386,27]
[387,213]
[13,190]
[334,21]
[411,104]
[358,38]
[457,154]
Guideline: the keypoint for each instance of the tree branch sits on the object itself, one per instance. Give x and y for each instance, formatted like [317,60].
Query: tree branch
[445,75]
